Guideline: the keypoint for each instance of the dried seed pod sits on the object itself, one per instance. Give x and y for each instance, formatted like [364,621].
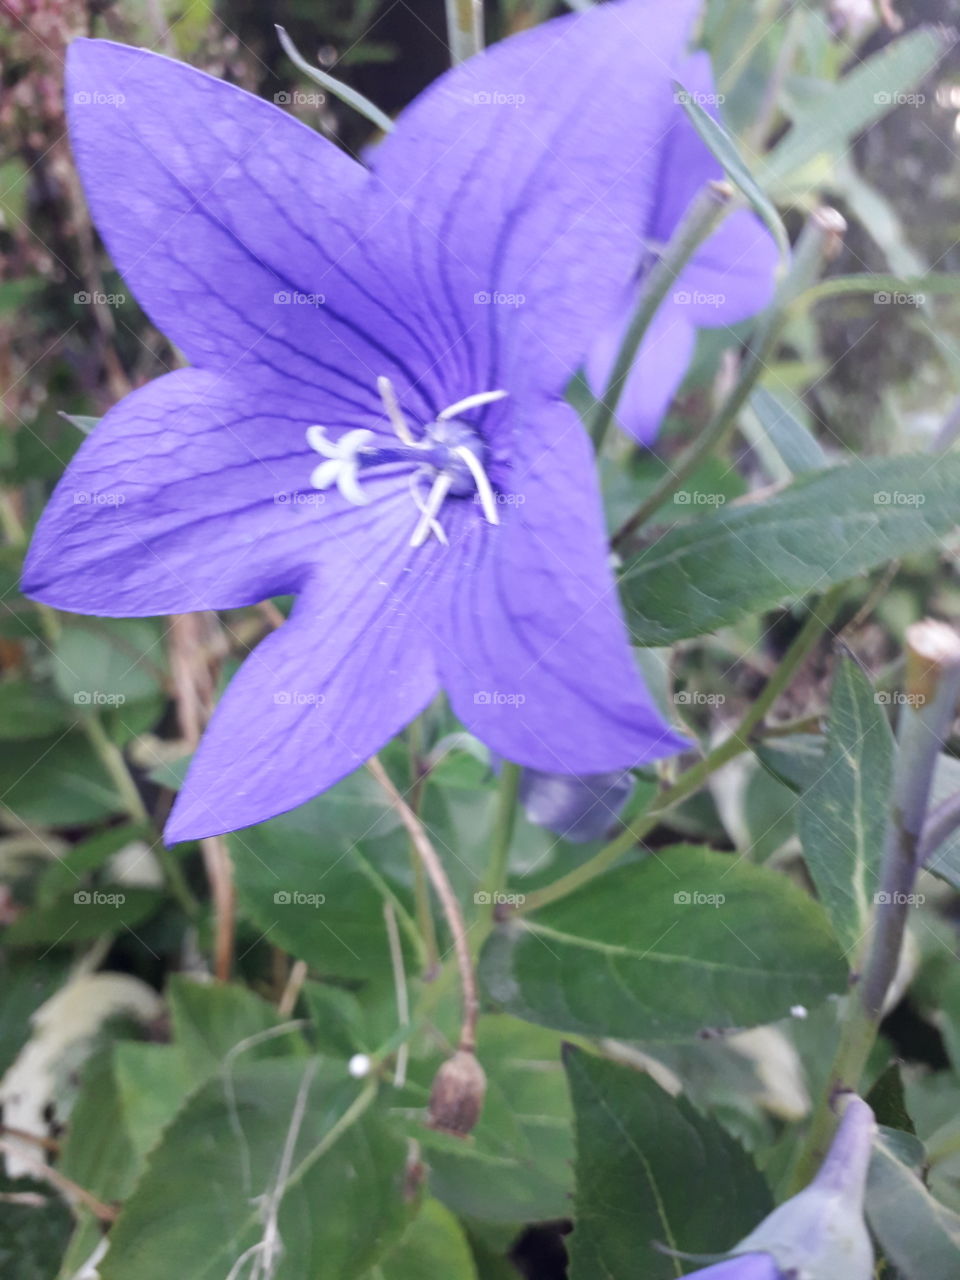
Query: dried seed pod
[456,1098]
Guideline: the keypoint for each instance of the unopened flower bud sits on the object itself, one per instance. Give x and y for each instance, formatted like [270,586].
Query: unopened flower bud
[456,1098]
[819,1234]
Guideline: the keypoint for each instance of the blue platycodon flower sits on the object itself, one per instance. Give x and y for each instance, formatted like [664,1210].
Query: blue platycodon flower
[373,420]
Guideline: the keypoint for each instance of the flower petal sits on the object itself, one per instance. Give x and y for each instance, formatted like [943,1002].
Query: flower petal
[243,232]
[655,374]
[188,495]
[350,668]
[520,164]
[537,661]
[751,1266]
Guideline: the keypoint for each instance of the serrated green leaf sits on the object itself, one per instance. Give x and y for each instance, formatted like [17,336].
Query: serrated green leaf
[434,1245]
[200,1203]
[650,1169]
[842,817]
[665,949]
[211,1020]
[823,529]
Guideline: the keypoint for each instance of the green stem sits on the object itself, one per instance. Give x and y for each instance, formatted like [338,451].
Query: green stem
[506,817]
[464,29]
[817,242]
[933,681]
[739,741]
[116,766]
[700,221]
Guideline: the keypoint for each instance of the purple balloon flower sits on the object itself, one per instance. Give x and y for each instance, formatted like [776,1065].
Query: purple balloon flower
[374,418]
[728,279]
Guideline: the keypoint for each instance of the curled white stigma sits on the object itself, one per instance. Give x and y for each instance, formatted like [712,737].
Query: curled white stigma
[343,467]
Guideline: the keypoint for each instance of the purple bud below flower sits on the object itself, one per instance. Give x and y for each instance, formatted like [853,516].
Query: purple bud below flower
[819,1234]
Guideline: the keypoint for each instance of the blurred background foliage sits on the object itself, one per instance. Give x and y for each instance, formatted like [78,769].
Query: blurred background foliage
[97,716]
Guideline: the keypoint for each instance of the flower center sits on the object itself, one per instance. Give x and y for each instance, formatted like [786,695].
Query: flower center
[450,456]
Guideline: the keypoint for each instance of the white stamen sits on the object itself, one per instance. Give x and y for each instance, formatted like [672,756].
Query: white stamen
[428,521]
[488,499]
[469,402]
[392,405]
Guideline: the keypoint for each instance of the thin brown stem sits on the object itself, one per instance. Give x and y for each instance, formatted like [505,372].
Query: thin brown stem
[448,901]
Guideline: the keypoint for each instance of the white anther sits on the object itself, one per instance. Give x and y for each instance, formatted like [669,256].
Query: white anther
[392,406]
[469,402]
[428,518]
[488,499]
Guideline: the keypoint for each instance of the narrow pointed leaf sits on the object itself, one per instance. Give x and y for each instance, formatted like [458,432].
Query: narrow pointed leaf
[823,529]
[842,816]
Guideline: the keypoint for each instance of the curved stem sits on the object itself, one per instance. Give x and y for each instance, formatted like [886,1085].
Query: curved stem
[448,900]
[702,219]
[739,741]
[817,243]
[498,870]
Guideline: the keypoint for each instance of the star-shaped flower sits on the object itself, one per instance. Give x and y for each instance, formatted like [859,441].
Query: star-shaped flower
[415,324]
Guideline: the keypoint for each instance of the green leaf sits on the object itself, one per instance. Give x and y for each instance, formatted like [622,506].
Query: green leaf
[66,874]
[888,1101]
[103,663]
[794,444]
[200,1204]
[920,1236]
[649,1169]
[56,782]
[842,817]
[210,1021]
[84,914]
[434,1246]
[835,116]
[725,150]
[29,710]
[795,760]
[823,529]
[152,1081]
[666,948]
[304,880]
